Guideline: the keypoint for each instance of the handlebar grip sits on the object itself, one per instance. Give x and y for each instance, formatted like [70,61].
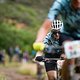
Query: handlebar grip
[39,58]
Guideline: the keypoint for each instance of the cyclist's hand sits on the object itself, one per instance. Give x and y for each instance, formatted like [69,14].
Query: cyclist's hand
[38,46]
[60,63]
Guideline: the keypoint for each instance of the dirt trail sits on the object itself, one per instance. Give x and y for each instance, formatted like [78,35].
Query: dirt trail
[11,74]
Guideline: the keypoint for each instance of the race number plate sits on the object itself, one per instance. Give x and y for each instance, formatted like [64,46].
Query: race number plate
[72,49]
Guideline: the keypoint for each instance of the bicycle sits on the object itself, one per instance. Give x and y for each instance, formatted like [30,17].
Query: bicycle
[66,73]
[58,67]
[52,50]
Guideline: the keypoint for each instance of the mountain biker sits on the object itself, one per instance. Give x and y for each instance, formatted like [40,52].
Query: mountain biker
[54,38]
[69,12]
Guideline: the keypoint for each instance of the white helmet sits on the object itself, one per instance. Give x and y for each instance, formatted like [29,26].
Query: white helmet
[56,25]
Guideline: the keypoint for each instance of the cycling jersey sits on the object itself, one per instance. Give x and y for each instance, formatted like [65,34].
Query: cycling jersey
[70,17]
[49,40]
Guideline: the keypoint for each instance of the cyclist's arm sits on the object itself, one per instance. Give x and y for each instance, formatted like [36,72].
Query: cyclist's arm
[52,15]
[47,39]
[43,30]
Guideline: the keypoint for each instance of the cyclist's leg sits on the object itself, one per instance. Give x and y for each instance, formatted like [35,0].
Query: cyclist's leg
[51,70]
[73,64]
[69,65]
[65,73]
[69,70]
[77,69]
[51,75]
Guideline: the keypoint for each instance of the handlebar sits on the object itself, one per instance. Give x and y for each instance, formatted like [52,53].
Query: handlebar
[43,59]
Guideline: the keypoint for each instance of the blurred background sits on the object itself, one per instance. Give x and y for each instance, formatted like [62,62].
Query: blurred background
[19,22]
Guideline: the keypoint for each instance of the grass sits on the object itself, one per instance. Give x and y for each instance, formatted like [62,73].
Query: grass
[10,65]
[27,69]
[22,68]
[2,77]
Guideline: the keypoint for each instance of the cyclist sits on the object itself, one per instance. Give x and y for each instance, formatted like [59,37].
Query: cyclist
[54,38]
[69,10]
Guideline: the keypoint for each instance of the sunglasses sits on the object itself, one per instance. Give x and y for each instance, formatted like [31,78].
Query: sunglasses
[55,32]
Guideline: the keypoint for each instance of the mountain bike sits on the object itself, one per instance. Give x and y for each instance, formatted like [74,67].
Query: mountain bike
[58,66]
[58,61]
[72,51]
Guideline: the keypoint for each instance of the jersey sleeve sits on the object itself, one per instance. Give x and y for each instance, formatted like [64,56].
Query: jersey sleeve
[47,39]
[56,9]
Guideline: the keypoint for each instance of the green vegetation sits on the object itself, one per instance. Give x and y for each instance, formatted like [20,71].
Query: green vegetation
[20,13]
[26,72]
[10,36]
[26,69]
[2,77]
[29,12]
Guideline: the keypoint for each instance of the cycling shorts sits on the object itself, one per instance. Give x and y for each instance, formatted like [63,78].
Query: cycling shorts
[51,64]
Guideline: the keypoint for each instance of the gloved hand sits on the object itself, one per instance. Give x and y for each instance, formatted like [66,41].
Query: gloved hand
[60,63]
[38,46]
[39,53]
